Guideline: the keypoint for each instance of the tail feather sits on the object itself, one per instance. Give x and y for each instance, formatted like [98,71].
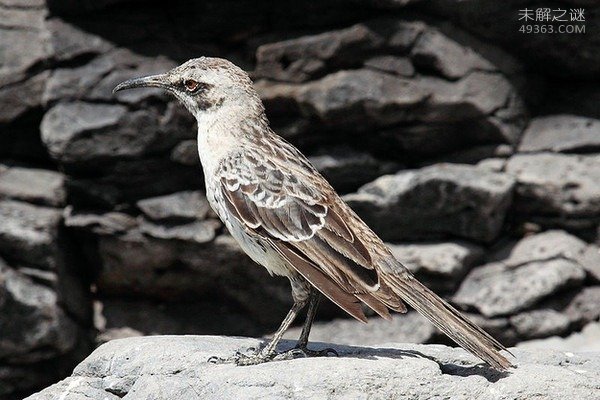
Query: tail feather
[449,320]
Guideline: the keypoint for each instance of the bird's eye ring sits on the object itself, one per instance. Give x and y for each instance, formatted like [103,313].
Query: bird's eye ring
[191,85]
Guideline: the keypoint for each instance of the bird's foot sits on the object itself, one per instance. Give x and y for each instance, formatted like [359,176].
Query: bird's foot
[255,357]
[259,357]
[304,352]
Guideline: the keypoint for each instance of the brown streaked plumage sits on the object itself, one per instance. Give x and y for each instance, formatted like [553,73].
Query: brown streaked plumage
[288,218]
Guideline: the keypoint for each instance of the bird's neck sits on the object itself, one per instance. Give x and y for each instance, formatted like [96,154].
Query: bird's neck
[225,130]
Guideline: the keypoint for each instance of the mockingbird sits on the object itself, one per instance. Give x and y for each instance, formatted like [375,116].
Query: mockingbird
[290,220]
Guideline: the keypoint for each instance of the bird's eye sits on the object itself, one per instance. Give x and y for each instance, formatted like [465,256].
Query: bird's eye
[191,85]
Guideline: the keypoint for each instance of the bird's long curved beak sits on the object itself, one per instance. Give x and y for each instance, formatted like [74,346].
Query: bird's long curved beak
[160,81]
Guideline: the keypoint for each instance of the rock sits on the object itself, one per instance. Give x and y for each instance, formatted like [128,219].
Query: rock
[583,306]
[176,367]
[138,317]
[68,42]
[82,132]
[590,261]
[561,133]
[547,245]
[300,59]
[109,223]
[407,328]
[441,265]
[141,266]
[496,289]
[565,56]
[461,200]
[186,153]
[29,233]
[557,185]
[420,112]
[196,231]
[540,323]
[401,66]
[347,98]
[347,169]
[33,185]
[435,51]
[587,340]
[127,181]
[34,326]
[182,206]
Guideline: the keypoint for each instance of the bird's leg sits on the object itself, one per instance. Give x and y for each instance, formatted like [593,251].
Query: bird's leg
[268,353]
[301,348]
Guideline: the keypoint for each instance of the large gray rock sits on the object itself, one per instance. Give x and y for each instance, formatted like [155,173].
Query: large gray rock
[170,367]
[29,233]
[557,189]
[34,326]
[85,133]
[561,133]
[444,199]
[458,90]
[440,265]
[563,55]
[524,273]
[33,185]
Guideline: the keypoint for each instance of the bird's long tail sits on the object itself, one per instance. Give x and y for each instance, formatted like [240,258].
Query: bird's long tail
[448,319]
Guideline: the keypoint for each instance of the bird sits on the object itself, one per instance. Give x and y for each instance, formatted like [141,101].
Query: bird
[286,216]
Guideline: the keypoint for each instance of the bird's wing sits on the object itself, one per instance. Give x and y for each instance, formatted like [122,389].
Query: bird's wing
[277,194]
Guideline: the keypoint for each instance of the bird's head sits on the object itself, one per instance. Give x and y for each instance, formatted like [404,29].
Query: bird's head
[203,84]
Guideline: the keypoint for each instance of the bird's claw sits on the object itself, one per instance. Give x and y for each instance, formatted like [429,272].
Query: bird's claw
[259,357]
[304,352]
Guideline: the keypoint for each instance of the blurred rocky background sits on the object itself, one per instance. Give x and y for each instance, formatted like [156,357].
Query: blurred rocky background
[471,148]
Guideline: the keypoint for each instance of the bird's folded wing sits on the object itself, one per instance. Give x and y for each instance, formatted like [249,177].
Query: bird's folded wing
[295,209]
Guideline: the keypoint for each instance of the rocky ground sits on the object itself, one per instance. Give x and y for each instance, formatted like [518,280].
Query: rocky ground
[176,367]
[472,149]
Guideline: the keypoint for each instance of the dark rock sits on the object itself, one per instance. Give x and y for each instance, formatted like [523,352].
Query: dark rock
[140,266]
[497,289]
[176,367]
[186,153]
[348,169]
[186,206]
[557,185]
[407,328]
[35,327]
[29,233]
[85,133]
[435,51]
[351,98]
[301,59]
[394,65]
[540,323]
[439,265]
[32,185]
[462,200]
[561,133]
[128,317]
[565,55]
[128,181]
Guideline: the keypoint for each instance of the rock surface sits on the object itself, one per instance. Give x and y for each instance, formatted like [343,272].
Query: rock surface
[561,133]
[460,200]
[176,367]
